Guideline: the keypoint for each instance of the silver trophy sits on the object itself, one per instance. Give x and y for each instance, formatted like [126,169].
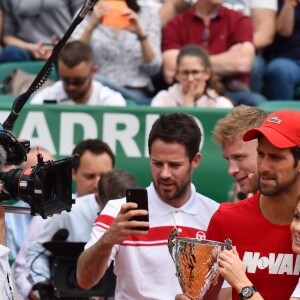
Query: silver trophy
[196,263]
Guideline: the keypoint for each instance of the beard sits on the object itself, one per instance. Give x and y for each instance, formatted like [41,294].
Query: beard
[77,96]
[279,187]
[174,194]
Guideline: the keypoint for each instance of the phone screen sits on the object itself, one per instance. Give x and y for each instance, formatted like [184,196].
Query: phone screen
[115,18]
[139,196]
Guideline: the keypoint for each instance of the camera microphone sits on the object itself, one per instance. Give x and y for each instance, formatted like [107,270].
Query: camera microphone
[60,235]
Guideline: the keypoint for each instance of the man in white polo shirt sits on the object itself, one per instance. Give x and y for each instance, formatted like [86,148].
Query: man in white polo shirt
[142,263]
[76,69]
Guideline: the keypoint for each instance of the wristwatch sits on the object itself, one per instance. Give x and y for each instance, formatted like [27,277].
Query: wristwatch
[247,292]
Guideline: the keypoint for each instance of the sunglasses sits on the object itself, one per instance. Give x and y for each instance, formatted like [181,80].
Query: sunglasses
[74,81]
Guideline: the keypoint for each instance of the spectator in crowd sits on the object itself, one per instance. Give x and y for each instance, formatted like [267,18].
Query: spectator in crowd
[208,23]
[270,265]
[126,57]
[142,262]
[283,70]
[31,28]
[263,16]
[152,4]
[77,68]
[196,85]
[240,155]
[262,13]
[172,8]
[95,158]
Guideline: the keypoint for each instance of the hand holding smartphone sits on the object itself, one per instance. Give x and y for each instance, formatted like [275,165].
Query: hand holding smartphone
[115,17]
[139,196]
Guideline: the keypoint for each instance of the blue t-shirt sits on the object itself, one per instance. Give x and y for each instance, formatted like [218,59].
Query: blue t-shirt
[288,46]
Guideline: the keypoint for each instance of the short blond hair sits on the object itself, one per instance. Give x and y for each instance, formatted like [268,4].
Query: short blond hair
[237,122]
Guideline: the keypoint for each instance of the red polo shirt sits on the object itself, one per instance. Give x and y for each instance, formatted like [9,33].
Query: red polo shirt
[227,27]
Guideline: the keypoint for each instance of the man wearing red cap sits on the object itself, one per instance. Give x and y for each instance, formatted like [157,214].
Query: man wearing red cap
[259,225]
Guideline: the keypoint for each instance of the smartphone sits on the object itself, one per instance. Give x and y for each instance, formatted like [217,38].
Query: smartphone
[139,196]
[115,18]
[49,46]
[50,101]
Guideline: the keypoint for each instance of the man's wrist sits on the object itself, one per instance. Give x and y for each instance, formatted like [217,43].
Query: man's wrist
[247,292]
[239,286]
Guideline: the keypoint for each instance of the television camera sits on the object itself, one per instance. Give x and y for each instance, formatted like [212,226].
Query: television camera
[46,187]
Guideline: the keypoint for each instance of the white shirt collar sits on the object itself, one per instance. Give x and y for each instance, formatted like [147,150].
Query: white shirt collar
[161,208]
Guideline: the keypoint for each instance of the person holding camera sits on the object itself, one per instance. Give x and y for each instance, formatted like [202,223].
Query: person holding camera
[142,262]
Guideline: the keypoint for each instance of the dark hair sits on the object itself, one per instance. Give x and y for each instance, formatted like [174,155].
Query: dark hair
[296,154]
[179,128]
[76,52]
[294,150]
[113,185]
[201,53]
[132,4]
[95,146]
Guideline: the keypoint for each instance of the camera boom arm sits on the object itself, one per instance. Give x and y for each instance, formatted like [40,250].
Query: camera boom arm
[44,73]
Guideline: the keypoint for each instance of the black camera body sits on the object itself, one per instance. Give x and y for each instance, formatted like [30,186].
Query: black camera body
[16,151]
[46,187]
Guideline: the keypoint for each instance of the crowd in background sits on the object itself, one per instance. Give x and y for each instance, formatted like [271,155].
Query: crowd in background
[190,53]
[252,47]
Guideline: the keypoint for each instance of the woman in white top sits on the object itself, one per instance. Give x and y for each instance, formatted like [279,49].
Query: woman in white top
[196,84]
[127,55]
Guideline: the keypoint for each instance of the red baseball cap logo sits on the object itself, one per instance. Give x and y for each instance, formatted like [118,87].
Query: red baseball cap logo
[281,128]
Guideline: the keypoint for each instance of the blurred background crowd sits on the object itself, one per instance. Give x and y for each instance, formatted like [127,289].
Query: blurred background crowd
[205,53]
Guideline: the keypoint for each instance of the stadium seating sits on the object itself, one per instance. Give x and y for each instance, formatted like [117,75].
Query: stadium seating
[278,105]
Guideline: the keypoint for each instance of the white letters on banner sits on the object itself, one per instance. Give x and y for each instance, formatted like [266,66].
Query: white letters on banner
[118,130]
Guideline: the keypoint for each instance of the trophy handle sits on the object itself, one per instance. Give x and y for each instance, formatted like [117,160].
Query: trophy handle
[172,241]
